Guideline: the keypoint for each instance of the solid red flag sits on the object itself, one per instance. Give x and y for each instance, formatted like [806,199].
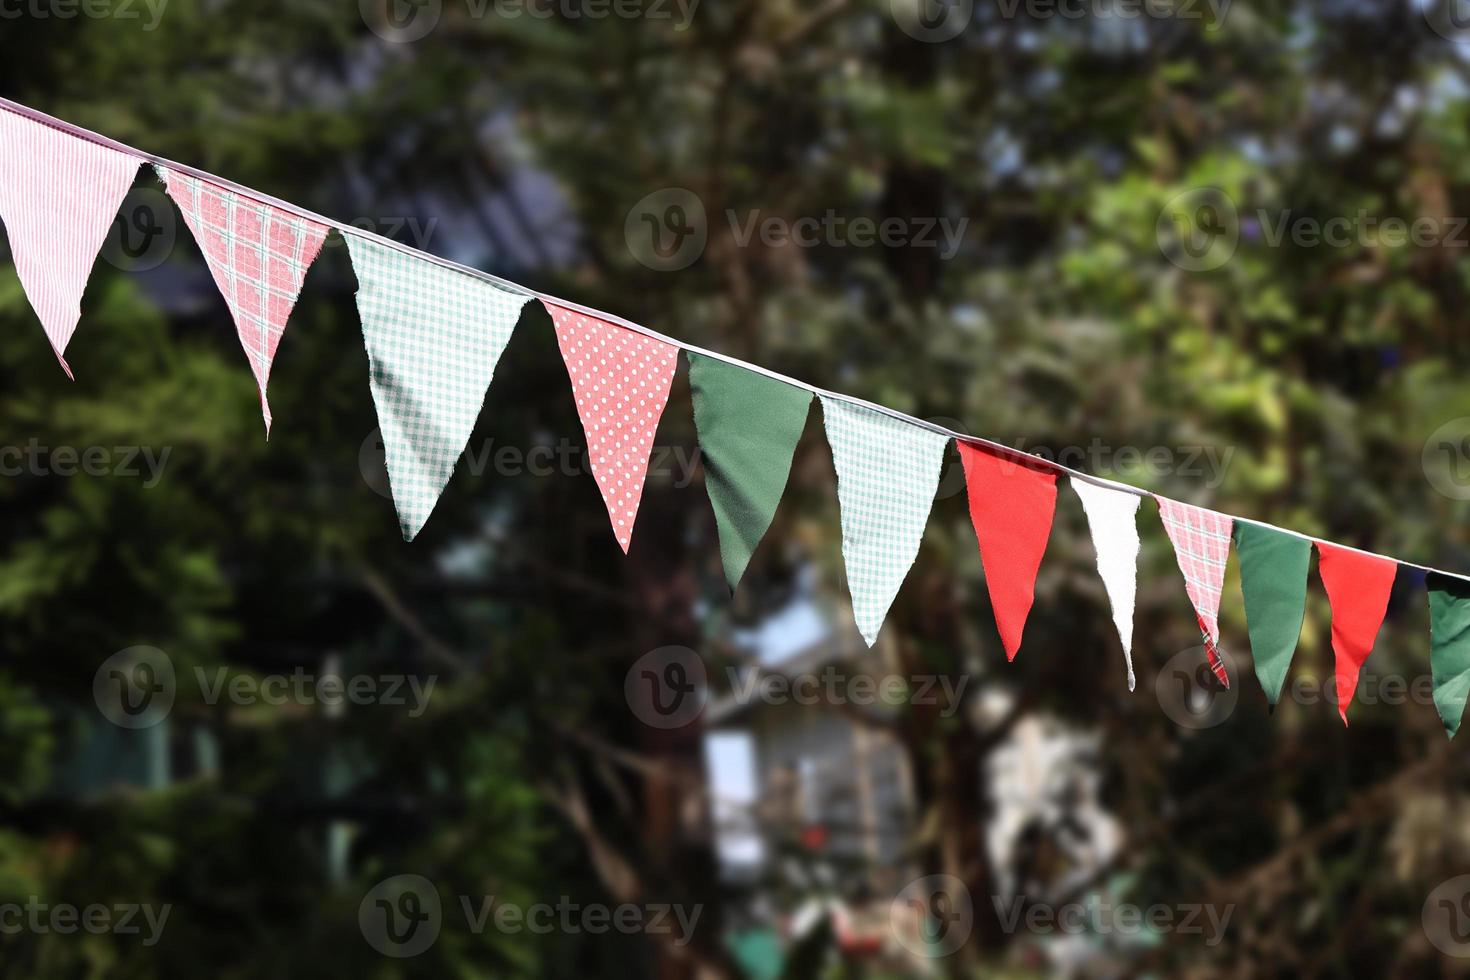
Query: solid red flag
[1357,586]
[1011,506]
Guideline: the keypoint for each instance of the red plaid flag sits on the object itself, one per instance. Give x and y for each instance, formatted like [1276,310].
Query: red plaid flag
[58,197]
[258,256]
[1201,540]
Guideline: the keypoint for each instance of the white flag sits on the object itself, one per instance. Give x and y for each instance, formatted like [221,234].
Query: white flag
[1113,517]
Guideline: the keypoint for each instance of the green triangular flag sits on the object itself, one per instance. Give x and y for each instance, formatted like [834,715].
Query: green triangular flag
[1449,645]
[748,427]
[1273,579]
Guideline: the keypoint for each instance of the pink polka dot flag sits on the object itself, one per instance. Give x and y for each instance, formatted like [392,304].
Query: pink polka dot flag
[620,380]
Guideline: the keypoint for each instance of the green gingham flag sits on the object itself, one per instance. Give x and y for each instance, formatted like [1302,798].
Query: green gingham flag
[433,336]
[887,473]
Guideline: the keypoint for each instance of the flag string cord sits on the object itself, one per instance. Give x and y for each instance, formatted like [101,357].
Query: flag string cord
[506,284]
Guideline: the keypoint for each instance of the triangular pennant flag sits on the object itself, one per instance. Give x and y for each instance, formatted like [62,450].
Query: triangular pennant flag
[1201,540]
[1011,505]
[433,337]
[620,380]
[748,425]
[1449,645]
[1273,579]
[1113,518]
[1358,586]
[59,195]
[258,255]
[887,474]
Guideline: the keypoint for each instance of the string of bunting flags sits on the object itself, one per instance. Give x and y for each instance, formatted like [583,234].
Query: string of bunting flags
[434,332]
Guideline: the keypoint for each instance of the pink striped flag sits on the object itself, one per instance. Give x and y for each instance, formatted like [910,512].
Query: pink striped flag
[258,255]
[1201,540]
[59,194]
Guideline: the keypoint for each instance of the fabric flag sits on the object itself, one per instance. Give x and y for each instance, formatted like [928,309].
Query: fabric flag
[1011,506]
[748,425]
[887,474]
[1449,645]
[59,195]
[620,380]
[433,337]
[1357,587]
[1201,540]
[258,255]
[1113,518]
[1273,579]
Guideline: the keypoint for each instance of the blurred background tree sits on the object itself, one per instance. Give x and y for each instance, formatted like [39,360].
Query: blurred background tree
[519,144]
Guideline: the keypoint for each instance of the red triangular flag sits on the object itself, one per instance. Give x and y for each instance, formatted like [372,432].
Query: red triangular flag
[1011,506]
[1357,587]
[620,380]
[1201,540]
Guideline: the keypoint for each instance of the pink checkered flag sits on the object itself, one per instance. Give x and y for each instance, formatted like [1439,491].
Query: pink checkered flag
[258,255]
[58,197]
[1201,541]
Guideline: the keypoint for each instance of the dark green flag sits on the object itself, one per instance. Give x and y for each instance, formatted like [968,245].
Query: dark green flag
[1273,579]
[748,427]
[1449,645]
